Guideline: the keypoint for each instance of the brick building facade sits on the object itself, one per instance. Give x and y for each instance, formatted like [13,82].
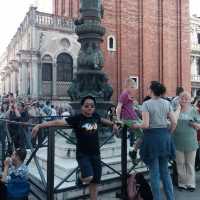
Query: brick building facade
[152,41]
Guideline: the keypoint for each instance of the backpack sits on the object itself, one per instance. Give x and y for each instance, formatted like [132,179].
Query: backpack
[138,188]
[17,187]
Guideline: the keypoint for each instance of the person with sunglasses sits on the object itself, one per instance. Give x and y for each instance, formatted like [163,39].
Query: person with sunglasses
[85,125]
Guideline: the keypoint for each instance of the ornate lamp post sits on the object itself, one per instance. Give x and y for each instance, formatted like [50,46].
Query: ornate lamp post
[90,79]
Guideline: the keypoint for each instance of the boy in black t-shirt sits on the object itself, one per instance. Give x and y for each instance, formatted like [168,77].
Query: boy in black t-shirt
[85,126]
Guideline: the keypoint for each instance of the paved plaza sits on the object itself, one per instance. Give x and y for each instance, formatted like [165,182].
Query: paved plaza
[183,195]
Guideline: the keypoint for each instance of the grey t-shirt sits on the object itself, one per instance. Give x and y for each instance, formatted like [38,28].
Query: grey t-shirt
[158,110]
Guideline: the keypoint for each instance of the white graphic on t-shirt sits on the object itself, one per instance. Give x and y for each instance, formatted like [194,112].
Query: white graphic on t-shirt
[89,126]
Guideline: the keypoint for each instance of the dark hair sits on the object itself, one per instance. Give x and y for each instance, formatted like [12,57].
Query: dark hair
[198,103]
[4,103]
[47,102]
[112,106]
[87,97]
[157,88]
[179,90]
[21,153]
[195,100]
[146,98]
[22,104]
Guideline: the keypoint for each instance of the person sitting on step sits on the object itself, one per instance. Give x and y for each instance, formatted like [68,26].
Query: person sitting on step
[14,182]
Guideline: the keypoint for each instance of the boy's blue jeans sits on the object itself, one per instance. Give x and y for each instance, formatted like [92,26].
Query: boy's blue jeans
[159,170]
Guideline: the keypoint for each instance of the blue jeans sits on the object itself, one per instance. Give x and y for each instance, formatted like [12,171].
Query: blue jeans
[90,165]
[159,170]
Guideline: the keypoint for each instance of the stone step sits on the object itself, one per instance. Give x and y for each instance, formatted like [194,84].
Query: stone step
[64,166]
[65,163]
[68,190]
[66,150]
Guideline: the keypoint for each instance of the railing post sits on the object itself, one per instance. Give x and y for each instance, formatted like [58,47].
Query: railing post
[1,144]
[124,163]
[50,164]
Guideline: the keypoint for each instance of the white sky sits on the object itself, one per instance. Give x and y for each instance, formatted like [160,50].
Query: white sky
[12,13]
[195,7]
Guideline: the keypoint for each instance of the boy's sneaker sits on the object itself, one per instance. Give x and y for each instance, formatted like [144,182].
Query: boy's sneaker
[79,183]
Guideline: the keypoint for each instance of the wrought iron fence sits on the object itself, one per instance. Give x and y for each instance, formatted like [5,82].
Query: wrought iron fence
[46,139]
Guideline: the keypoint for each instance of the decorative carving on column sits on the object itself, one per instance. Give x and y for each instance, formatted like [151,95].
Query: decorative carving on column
[90,77]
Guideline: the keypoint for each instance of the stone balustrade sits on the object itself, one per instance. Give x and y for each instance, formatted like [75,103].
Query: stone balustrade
[41,20]
[195,78]
[195,47]
[53,21]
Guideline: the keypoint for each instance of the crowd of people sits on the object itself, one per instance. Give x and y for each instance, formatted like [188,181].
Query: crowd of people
[28,110]
[13,139]
[160,129]
[171,131]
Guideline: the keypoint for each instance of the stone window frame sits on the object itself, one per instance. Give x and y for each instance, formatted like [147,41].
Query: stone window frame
[114,48]
[136,79]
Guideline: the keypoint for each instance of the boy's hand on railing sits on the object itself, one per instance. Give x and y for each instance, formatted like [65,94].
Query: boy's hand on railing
[119,123]
[116,127]
[35,130]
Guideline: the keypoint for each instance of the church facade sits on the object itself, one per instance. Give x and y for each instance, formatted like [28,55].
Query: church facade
[40,61]
[145,39]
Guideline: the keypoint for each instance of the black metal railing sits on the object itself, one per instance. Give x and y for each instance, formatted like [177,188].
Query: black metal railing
[47,140]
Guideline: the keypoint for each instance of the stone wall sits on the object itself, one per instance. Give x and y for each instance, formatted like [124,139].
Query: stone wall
[152,41]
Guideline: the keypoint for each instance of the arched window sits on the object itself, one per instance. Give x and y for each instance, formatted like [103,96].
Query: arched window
[47,68]
[46,72]
[64,67]
[111,43]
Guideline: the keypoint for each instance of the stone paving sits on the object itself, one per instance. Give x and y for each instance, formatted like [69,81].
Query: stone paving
[183,195]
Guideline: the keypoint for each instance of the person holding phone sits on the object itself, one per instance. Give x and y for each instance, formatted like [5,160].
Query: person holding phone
[13,114]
